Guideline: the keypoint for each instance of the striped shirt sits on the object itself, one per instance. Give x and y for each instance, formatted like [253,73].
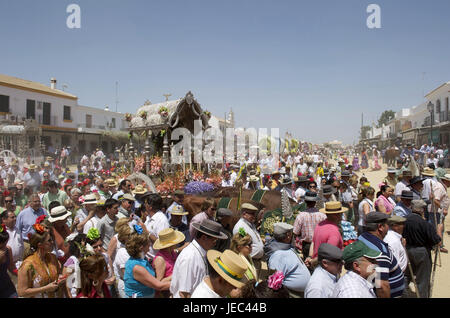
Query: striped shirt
[306,222]
[388,266]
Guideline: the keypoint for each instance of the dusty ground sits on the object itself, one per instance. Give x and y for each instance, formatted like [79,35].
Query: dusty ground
[442,277]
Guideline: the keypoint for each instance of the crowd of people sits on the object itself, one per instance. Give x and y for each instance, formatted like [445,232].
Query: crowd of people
[89,234]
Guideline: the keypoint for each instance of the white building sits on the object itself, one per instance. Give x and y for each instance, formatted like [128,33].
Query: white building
[62,121]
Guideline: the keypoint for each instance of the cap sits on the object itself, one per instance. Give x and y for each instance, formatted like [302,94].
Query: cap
[281,228]
[417,205]
[358,249]
[248,206]
[376,217]
[330,252]
[395,219]
[224,212]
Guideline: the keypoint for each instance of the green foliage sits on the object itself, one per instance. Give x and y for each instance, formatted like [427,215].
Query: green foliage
[385,117]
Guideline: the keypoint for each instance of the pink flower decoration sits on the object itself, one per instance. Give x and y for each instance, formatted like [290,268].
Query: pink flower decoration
[276,280]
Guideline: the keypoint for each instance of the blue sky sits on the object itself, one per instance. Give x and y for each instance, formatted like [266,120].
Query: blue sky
[311,67]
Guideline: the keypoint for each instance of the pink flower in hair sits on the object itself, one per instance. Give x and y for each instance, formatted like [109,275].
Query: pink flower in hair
[276,280]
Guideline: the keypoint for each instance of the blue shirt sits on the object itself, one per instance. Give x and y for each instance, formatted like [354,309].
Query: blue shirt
[26,220]
[401,210]
[321,284]
[133,288]
[389,269]
[296,274]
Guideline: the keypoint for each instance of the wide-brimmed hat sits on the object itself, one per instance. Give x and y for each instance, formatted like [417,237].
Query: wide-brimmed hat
[286,181]
[211,228]
[428,172]
[49,158]
[90,199]
[328,189]
[139,189]
[178,210]
[300,179]
[32,166]
[345,173]
[59,213]
[407,173]
[111,182]
[333,207]
[311,196]
[407,195]
[229,265]
[167,238]
[126,196]
[276,172]
[391,170]
[415,180]
[446,177]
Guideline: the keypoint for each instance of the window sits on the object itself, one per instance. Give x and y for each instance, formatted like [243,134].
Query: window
[88,121]
[113,123]
[4,104]
[46,114]
[66,113]
[31,109]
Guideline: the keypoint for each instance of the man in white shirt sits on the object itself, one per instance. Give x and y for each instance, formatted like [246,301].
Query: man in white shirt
[226,182]
[302,167]
[247,221]
[395,240]
[191,265]
[156,219]
[403,185]
[226,271]
[323,280]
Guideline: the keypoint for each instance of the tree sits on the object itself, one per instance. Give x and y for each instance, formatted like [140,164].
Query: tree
[385,117]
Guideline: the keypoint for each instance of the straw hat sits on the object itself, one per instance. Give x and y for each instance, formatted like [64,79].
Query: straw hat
[428,172]
[446,177]
[139,189]
[253,178]
[59,213]
[333,207]
[111,182]
[167,238]
[90,199]
[178,210]
[32,166]
[229,265]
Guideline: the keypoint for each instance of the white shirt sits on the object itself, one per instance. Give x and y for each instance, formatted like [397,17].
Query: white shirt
[15,241]
[300,192]
[321,284]
[189,270]
[227,183]
[302,168]
[233,177]
[204,291]
[394,241]
[351,285]
[156,224]
[93,222]
[250,229]
[399,187]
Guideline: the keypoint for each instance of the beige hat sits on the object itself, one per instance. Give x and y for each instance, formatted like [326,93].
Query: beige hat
[178,210]
[248,206]
[112,182]
[333,207]
[90,199]
[32,166]
[229,265]
[446,177]
[127,196]
[139,189]
[253,178]
[428,172]
[167,238]
[59,213]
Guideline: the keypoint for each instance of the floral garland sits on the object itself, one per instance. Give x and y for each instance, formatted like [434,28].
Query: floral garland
[163,111]
[143,114]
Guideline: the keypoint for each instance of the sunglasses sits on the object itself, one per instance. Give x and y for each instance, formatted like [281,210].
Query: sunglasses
[8,201]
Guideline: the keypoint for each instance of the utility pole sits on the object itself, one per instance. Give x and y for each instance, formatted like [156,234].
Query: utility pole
[167,96]
[117,96]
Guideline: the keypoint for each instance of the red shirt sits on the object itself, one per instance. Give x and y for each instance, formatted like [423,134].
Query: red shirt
[326,232]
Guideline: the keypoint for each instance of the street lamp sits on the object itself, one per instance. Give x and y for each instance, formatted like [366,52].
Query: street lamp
[430,108]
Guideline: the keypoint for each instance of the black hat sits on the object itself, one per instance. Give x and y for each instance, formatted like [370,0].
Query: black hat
[311,196]
[329,252]
[301,178]
[376,217]
[415,180]
[345,173]
[221,212]
[328,189]
[407,195]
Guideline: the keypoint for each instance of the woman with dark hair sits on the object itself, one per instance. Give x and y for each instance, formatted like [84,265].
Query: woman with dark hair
[93,272]
[40,273]
[365,206]
[271,288]
[7,288]
[384,202]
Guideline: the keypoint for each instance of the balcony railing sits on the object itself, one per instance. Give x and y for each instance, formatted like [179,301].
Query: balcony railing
[48,120]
